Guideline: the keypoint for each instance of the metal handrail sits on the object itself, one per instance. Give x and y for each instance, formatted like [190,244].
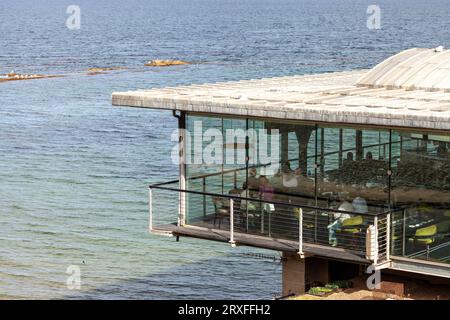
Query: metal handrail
[162,186]
[383,240]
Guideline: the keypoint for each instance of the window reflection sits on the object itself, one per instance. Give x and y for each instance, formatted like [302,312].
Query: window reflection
[421,184]
[352,170]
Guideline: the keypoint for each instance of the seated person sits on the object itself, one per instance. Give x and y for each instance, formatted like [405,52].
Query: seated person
[349,160]
[339,217]
[290,179]
[246,193]
[360,205]
[253,181]
[369,156]
[266,189]
[286,167]
[267,192]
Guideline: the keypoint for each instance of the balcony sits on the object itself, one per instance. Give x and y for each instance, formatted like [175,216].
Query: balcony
[283,225]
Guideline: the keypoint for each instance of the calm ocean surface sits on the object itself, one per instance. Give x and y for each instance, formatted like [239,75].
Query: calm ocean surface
[74,170]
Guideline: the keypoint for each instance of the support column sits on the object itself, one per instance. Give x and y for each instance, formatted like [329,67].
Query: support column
[303,134]
[293,277]
[359,145]
[284,147]
[298,274]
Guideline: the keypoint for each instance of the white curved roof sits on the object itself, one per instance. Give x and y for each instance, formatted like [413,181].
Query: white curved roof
[427,69]
[410,89]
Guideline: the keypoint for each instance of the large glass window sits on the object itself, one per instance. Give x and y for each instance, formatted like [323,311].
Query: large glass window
[421,185]
[353,169]
[357,170]
[204,165]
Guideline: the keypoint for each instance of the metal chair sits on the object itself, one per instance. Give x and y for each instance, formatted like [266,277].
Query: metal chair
[220,211]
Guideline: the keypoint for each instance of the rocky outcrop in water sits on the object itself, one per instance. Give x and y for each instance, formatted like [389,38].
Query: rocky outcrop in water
[165,63]
[12,76]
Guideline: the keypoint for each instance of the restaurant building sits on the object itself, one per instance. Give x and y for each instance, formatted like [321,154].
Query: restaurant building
[339,171]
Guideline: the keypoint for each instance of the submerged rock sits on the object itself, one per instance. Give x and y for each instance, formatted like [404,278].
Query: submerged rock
[165,63]
[12,76]
[98,70]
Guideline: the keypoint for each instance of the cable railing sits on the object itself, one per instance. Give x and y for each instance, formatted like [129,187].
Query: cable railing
[364,234]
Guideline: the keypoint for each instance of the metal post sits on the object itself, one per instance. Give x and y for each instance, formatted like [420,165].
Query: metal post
[150,213]
[182,159]
[388,236]
[300,233]
[315,226]
[341,146]
[403,232]
[270,222]
[204,196]
[375,223]
[401,146]
[233,244]
[315,164]
[322,152]
[261,209]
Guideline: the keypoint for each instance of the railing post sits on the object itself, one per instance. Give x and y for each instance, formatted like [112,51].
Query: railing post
[300,233]
[388,236]
[261,204]
[315,226]
[375,223]
[233,244]
[403,232]
[204,196]
[150,211]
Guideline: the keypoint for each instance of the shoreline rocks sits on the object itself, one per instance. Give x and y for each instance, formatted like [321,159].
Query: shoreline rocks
[102,70]
[165,63]
[13,76]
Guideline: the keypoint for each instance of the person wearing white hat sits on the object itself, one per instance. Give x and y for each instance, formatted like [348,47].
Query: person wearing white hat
[360,205]
[339,217]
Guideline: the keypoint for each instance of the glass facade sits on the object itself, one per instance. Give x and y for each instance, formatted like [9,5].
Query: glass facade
[421,185]
[362,170]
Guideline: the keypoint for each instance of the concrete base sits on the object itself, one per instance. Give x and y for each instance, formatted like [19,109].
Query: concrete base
[293,274]
[298,274]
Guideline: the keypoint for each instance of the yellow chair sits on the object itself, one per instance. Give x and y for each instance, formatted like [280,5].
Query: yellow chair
[352,225]
[430,234]
[351,233]
[425,235]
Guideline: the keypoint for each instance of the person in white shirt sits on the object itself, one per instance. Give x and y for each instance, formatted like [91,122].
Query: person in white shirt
[339,217]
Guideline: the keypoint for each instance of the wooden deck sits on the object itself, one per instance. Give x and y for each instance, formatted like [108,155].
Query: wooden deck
[262,242]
